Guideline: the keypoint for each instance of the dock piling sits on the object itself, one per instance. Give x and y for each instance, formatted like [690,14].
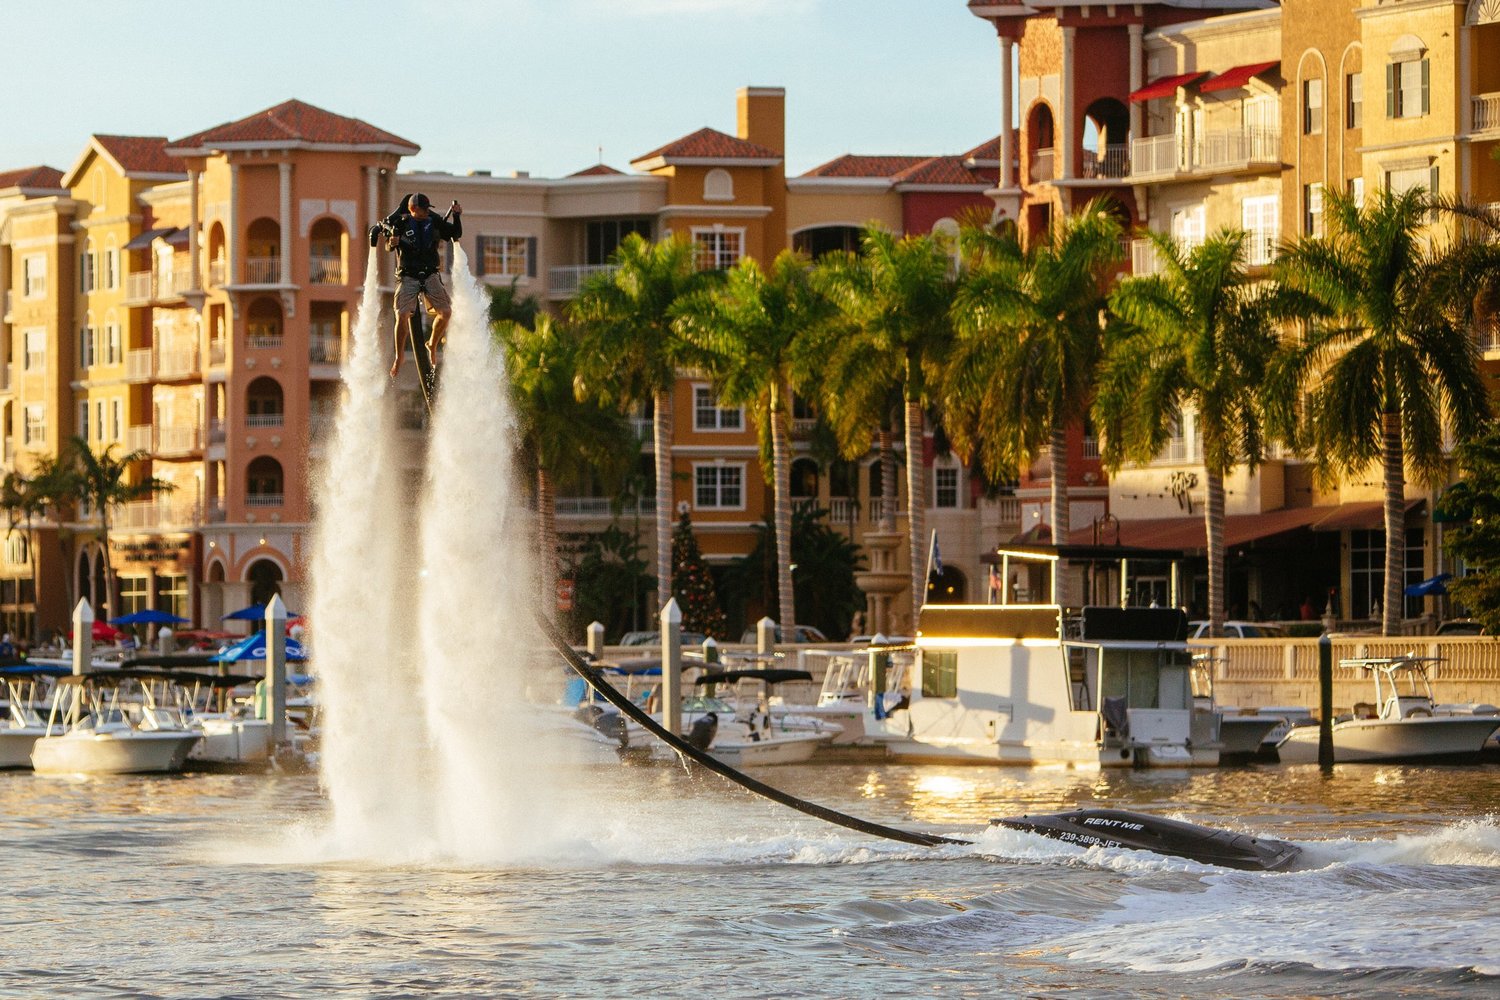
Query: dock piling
[83,636]
[671,666]
[276,668]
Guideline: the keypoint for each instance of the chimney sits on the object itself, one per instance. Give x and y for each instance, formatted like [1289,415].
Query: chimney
[762,116]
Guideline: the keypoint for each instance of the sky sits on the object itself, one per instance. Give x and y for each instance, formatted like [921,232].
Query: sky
[504,85]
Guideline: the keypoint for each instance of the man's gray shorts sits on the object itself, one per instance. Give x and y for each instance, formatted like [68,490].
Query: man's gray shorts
[430,288]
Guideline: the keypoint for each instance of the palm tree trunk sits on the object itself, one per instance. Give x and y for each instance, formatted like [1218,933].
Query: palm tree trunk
[1057,453]
[36,586]
[111,585]
[916,506]
[546,510]
[887,482]
[661,428]
[1213,523]
[1395,521]
[781,486]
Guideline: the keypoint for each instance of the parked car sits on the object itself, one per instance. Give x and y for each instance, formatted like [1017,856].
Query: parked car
[803,633]
[885,640]
[1460,626]
[1239,630]
[654,639]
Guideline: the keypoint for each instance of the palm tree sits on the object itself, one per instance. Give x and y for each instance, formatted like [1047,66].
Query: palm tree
[24,499]
[563,437]
[1031,328]
[752,336]
[1198,337]
[896,294]
[54,482]
[104,481]
[1386,356]
[632,352]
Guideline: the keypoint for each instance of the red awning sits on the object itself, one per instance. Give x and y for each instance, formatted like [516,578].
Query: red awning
[1237,77]
[1189,533]
[1165,87]
[1366,514]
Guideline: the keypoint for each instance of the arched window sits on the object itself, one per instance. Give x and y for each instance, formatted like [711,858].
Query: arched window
[263,253]
[264,483]
[263,324]
[804,479]
[264,403]
[216,253]
[718,185]
[1039,139]
[1106,139]
[327,245]
[264,577]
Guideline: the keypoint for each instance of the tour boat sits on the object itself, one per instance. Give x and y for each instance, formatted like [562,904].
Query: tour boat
[1006,684]
[104,733]
[1407,725]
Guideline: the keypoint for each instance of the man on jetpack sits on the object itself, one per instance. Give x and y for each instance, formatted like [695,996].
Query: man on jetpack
[415,233]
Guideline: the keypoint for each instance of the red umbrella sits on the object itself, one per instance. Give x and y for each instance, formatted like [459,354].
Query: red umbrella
[102,631]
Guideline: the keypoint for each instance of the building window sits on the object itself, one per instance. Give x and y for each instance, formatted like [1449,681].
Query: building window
[1408,89]
[708,415]
[36,350]
[83,420]
[134,590]
[117,412]
[111,269]
[718,249]
[506,255]
[99,420]
[172,594]
[1260,222]
[1354,102]
[718,185]
[1312,107]
[1367,572]
[112,352]
[945,488]
[939,673]
[36,424]
[1357,191]
[86,274]
[34,276]
[1401,181]
[1188,227]
[1312,212]
[86,347]
[719,487]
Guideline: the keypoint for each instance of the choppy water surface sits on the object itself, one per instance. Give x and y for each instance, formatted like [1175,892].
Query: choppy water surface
[211,885]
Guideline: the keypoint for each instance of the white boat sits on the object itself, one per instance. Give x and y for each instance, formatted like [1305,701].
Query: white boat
[105,733]
[23,725]
[1002,684]
[1407,725]
[1222,734]
[859,689]
[232,736]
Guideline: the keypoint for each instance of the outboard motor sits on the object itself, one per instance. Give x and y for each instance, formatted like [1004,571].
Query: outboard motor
[701,736]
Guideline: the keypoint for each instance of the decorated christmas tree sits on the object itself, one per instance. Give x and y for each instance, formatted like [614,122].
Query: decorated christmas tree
[693,584]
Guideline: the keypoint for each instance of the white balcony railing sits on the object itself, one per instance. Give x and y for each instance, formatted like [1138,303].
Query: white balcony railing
[216,269]
[264,341]
[265,419]
[178,440]
[1009,510]
[326,270]
[264,500]
[877,507]
[1144,260]
[138,286]
[643,428]
[177,362]
[138,437]
[1486,112]
[263,271]
[565,282]
[1156,156]
[1237,148]
[843,510]
[323,349]
[1111,161]
[1042,165]
[1090,447]
[181,278]
[1487,334]
[138,364]
[163,512]
[599,506]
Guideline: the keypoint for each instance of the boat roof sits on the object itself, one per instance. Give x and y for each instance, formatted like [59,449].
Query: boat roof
[1408,662]
[34,670]
[764,676]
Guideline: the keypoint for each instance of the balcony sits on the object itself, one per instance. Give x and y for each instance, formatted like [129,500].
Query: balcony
[1008,510]
[843,510]
[1486,112]
[877,507]
[326,270]
[163,512]
[214,512]
[1111,162]
[138,365]
[1237,148]
[263,271]
[1158,156]
[216,269]
[180,280]
[260,420]
[138,437]
[1487,335]
[265,500]
[138,288]
[264,341]
[324,349]
[566,282]
[1043,165]
[178,440]
[600,506]
[177,362]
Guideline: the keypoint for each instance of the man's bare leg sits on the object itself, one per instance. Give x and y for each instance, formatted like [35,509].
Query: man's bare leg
[438,338]
[403,334]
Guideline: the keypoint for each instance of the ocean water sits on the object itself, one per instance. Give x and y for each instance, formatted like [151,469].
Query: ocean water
[671,883]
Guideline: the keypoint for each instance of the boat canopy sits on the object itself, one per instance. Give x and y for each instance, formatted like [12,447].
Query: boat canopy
[765,676]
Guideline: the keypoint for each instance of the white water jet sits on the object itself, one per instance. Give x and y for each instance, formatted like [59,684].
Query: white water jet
[374,761]
[479,642]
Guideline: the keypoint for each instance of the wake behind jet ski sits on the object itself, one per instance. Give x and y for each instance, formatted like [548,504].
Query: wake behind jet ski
[1140,832]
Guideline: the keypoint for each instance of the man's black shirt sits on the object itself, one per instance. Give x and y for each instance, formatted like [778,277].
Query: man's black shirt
[418,242]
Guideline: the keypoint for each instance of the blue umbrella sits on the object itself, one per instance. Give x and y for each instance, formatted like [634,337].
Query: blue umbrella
[254,613]
[254,648]
[150,616]
[1433,585]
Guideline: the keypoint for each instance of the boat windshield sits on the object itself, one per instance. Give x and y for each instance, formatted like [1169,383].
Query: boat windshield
[1146,677]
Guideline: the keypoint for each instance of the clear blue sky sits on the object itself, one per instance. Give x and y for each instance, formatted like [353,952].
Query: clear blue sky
[505,85]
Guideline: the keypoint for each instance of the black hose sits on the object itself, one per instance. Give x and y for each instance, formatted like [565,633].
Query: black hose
[608,692]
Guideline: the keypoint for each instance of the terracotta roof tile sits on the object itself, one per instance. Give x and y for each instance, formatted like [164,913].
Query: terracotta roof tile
[710,144]
[293,121]
[31,177]
[989,151]
[143,154]
[597,170]
[852,165]
[939,170]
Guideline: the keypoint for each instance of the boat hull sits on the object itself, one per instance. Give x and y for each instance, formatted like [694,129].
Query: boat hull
[1242,735]
[233,741]
[1038,754]
[1360,740]
[1140,832]
[15,747]
[112,753]
[780,749]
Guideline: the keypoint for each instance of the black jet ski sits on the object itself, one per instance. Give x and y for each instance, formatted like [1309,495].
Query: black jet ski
[1139,832]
